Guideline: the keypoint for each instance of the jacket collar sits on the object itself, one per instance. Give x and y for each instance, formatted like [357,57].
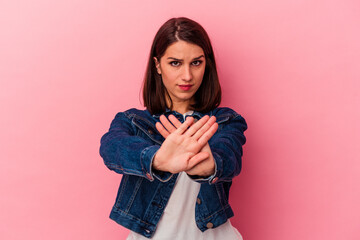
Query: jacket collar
[175,113]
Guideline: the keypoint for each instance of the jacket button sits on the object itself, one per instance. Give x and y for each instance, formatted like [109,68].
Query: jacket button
[215,179]
[157,204]
[198,200]
[209,225]
[151,132]
[148,176]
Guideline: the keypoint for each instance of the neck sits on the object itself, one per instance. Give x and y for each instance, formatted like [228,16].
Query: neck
[180,107]
[181,110]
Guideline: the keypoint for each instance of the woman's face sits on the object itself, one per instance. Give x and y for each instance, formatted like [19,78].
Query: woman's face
[182,69]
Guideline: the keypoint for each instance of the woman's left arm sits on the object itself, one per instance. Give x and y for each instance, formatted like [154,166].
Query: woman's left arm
[225,151]
[226,148]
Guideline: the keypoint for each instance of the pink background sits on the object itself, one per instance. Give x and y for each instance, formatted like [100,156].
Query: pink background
[291,68]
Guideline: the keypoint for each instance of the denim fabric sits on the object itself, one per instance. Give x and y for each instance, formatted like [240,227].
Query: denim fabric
[128,148]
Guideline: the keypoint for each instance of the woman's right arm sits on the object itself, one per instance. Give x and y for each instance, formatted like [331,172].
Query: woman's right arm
[126,153]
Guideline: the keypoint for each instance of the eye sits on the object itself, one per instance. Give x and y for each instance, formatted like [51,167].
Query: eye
[175,63]
[196,63]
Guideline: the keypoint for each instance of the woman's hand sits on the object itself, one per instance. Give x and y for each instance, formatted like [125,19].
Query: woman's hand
[186,148]
[206,167]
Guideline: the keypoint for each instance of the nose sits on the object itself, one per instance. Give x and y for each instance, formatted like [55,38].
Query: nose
[187,74]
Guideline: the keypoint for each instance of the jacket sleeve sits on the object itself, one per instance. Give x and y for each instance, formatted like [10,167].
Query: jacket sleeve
[226,147]
[126,153]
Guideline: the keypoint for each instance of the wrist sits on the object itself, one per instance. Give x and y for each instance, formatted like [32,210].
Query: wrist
[157,163]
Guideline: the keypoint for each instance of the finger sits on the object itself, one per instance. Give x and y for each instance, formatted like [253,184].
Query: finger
[208,134]
[193,171]
[162,130]
[167,124]
[196,126]
[201,156]
[185,125]
[204,128]
[174,121]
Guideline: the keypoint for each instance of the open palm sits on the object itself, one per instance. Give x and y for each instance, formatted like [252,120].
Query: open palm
[185,144]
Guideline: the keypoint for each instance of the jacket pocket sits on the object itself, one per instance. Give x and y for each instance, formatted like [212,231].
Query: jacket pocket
[221,193]
[128,190]
[121,190]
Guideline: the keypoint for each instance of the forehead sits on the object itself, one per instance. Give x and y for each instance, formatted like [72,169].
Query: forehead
[183,50]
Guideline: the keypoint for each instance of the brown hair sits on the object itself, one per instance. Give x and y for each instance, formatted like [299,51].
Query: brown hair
[208,96]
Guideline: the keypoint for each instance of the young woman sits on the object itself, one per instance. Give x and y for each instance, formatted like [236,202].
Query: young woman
[177,157]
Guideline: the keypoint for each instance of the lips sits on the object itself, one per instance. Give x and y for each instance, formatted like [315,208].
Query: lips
[185,87]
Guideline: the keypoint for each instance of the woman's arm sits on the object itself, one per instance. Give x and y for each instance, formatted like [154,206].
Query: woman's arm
[226,147]
[224,152]
[126,153]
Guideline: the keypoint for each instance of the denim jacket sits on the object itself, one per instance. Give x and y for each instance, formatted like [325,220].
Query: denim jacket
[128,148]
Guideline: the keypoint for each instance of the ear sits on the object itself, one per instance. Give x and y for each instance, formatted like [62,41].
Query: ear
[157,65]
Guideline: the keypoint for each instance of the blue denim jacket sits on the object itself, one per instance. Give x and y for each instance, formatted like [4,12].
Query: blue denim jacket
[128,148]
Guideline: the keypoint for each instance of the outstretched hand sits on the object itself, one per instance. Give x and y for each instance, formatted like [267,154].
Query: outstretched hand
[186,145]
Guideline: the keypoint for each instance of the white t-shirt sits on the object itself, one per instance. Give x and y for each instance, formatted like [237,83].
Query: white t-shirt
[178,219]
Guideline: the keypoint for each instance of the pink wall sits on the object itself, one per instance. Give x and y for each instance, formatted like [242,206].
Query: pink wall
[290,67]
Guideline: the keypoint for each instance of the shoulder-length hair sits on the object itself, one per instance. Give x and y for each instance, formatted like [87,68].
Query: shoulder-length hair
[208,96]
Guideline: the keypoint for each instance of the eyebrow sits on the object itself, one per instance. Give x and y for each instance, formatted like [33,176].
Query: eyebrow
[176,59]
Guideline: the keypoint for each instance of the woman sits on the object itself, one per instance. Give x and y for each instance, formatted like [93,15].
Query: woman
[177,157]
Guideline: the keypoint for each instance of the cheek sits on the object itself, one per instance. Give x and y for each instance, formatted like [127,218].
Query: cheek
[200,74]
[167,80]
[169,77]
